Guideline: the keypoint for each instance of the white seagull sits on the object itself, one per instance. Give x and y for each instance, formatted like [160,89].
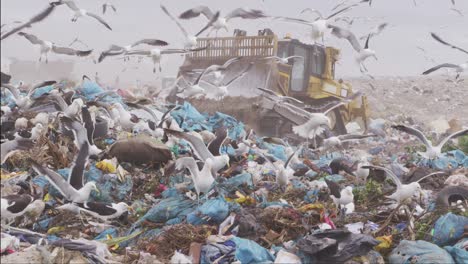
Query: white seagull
[403,191]
[115,50]
[79,12]
[190,40]
[10,147]
[103,211]
[363,53]
[219,71]
[202,179]
[222,89]
[13,206]
[47,46]
[431,152]
[221,22]
[284,60]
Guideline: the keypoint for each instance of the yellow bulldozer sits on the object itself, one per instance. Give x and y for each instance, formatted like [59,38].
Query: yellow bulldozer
[310,80]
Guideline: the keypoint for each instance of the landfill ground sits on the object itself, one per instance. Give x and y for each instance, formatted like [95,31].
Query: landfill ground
[126,139]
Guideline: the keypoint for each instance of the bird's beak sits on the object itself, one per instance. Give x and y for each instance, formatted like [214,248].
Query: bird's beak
[97,190]
[130,209]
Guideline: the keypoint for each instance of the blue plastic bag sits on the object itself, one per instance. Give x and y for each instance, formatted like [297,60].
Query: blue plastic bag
[448,229]
[458,252]
[215,209]
[247,251]
[419,252]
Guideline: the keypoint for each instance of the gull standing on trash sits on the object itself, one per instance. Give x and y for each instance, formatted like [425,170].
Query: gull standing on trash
[202,179]
[103,211]
[13,206]
[221,22]
[190,40]
[10,147]
[201,151]
[24,101]
[403,191]
[73,190]
[47,46]
[341,198]
[431,152]
[79,12]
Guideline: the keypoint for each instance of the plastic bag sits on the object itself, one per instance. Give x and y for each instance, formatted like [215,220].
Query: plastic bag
[448,229]
[458,251]
[419,252]
[212,210]
[247,251]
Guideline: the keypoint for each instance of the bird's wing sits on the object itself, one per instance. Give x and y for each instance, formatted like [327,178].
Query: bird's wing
[209,24]
[88,123]
[429,175]
[312,11]
[163,118]
[221,135]
[388,172]
[146,109]
[353,136]
[139,52]
[100,19]
[295,57]
[334,188]
[291,156]
[196,11]
[37,18]
[274,140]
[231,61]
[341,11]
[104,7]
[75,178]
[453,135]
[245,13]
[113,8]
[415,132]
[294,20]
[172,51]
[39,85]
[188,163]
[71,4]
[13,90]
[333,107]
[152,42]
[32,38]
[11,146]
[103,209]
[164,9]
[70,51]
[198,146]
[340,32]
[366,46]
[240,75]
[447,44]
[55,179]
[77,128]
[443,65]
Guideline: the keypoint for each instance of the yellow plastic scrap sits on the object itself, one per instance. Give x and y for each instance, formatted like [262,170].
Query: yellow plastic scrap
[242,199]
[55,230]
[47,197]
[385,243]
[308,207]
[106,166]
[5,176]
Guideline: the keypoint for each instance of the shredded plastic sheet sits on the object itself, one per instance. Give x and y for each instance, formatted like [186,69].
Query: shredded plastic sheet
[458,251]
[419,251]
[448,229]
[40,91]
[214,210]
[90,90]
[235,182]
[190,119]
[247,251]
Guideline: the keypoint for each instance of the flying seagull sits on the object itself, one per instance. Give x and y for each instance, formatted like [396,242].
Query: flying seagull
[10,147]
[459,69]
[436,37]
[76,40]
[375,31]
[221,22]
[79,12]
[156,54]
[202,179]
[115,50]
[320,25]
[363,53]
[107,5]
[431,152]
[47,46]
[284,60]
[403,191]
[103,211]
[190,40]
[222,89]
[281,98]
[37,18]
[219,71]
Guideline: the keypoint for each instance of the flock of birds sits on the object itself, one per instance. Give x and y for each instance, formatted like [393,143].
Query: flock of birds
[75,114]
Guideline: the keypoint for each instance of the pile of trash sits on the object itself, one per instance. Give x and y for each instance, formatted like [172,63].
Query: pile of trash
[172,185]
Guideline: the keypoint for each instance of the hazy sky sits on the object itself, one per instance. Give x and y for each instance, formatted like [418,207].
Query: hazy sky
[136,19]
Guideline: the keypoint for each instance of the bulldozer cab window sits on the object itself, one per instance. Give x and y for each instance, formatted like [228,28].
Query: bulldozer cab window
[282,50]
[297,75]
[317,61]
